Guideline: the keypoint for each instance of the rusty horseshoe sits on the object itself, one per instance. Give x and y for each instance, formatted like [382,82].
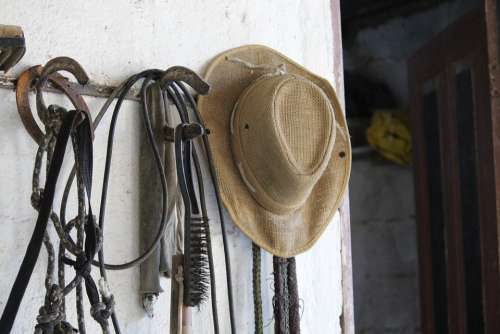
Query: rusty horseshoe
[25,83]
[54,65]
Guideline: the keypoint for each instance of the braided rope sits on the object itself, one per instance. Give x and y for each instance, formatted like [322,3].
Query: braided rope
[279,302]
[51,317]
[79,239]
[51,313]
[257,294]
[61,274]
[286,301]
[293,294]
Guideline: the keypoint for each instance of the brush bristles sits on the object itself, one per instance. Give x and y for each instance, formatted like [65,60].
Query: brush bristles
[196,263]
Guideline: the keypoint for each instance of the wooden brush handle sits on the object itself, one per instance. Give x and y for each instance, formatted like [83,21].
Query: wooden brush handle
[176,295]
[187,320]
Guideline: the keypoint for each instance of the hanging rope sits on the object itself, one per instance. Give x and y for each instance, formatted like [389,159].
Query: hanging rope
[286,300]
[51,318]
[293,299]
[257,294]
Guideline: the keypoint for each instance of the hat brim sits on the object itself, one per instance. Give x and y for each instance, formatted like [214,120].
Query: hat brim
[281,235]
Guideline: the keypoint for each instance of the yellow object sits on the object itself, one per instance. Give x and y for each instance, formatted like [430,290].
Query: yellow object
[390,135]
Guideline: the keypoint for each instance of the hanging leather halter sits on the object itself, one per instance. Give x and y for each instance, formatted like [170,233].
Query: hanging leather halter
[78,125]
[60,126]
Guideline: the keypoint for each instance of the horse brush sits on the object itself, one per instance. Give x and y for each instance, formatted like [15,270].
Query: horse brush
[197,267]
[197,262]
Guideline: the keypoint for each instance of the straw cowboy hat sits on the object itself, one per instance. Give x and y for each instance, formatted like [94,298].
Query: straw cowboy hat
[280,147]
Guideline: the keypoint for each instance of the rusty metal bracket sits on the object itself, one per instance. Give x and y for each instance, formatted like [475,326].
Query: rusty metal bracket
[91,89]
[180,73]
[12,46]
[176,73]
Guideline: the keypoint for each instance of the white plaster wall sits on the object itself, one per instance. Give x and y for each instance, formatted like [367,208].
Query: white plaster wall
[113,39]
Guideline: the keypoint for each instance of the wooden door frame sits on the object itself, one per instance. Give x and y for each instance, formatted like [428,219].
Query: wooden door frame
[487,137]
[489,177]
[424,72]
[347,317]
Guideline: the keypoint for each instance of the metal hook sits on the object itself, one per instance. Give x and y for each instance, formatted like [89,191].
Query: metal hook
[23,86]
[54,65]
[181,73]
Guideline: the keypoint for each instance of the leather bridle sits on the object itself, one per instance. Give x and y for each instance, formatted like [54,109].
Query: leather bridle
[78,126]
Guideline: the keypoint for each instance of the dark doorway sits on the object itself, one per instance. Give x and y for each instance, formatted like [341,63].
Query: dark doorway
[424,234]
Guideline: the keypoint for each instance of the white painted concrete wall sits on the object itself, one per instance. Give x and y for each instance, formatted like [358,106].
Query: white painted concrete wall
[113,39]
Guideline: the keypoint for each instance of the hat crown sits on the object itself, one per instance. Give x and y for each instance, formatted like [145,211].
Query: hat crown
[283,130]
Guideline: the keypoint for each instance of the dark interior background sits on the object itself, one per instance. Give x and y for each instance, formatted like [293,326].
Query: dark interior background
[378,39]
